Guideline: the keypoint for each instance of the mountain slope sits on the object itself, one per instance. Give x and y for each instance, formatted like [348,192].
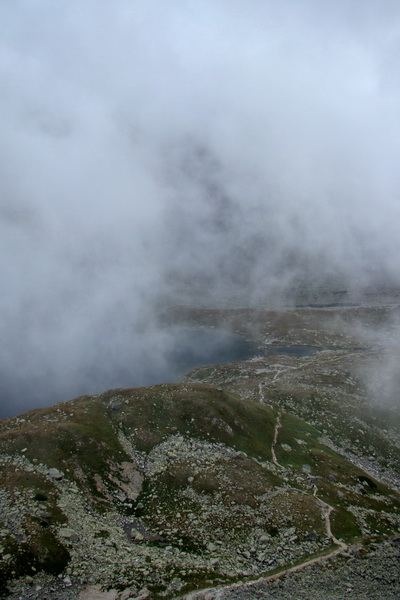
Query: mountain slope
[171,488]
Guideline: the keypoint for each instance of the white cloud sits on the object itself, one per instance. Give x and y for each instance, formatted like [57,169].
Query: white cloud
[214,150]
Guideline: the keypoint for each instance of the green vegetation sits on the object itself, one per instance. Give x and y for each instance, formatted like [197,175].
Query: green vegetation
[42,552]
[152,414]
[344,525]
[302,439]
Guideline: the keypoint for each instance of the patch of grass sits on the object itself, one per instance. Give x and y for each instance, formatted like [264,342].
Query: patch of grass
[381,524]
[344,525]
[240,480]
[42,552]
[302,439]
[86,439]
[197,410]
[293,509]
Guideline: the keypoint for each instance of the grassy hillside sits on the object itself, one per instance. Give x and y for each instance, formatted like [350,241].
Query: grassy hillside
[174,487]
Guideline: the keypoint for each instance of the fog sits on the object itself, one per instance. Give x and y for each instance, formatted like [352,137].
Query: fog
[161,153]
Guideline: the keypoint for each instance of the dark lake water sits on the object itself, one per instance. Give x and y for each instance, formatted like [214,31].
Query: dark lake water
[180,351]
[163,356]
[199,347]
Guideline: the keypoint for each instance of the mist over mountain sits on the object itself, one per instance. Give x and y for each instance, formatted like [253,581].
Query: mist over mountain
[213,153]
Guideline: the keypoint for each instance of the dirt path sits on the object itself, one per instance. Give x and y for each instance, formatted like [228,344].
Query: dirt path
[326,510]
[217,593]
[278,426]
[339,545]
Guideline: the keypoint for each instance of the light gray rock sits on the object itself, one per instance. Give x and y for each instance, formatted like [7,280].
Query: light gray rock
[55,473]
[69,534]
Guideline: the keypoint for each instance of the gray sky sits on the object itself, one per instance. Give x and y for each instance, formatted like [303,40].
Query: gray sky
[204,151]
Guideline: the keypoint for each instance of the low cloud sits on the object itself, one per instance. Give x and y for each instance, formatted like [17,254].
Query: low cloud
[205,153]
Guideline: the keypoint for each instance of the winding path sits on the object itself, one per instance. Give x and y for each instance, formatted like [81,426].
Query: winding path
[326,508]
[277,427]
[217,593]
[340,546]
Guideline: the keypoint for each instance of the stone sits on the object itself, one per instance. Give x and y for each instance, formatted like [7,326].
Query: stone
[264,539]
[136,535]
[260,556]
[55,473]
[396,542]
[143,595]
[94,592]
[69,534]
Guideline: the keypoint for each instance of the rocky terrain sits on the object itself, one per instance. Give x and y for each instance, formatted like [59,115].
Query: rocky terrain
[277,476]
